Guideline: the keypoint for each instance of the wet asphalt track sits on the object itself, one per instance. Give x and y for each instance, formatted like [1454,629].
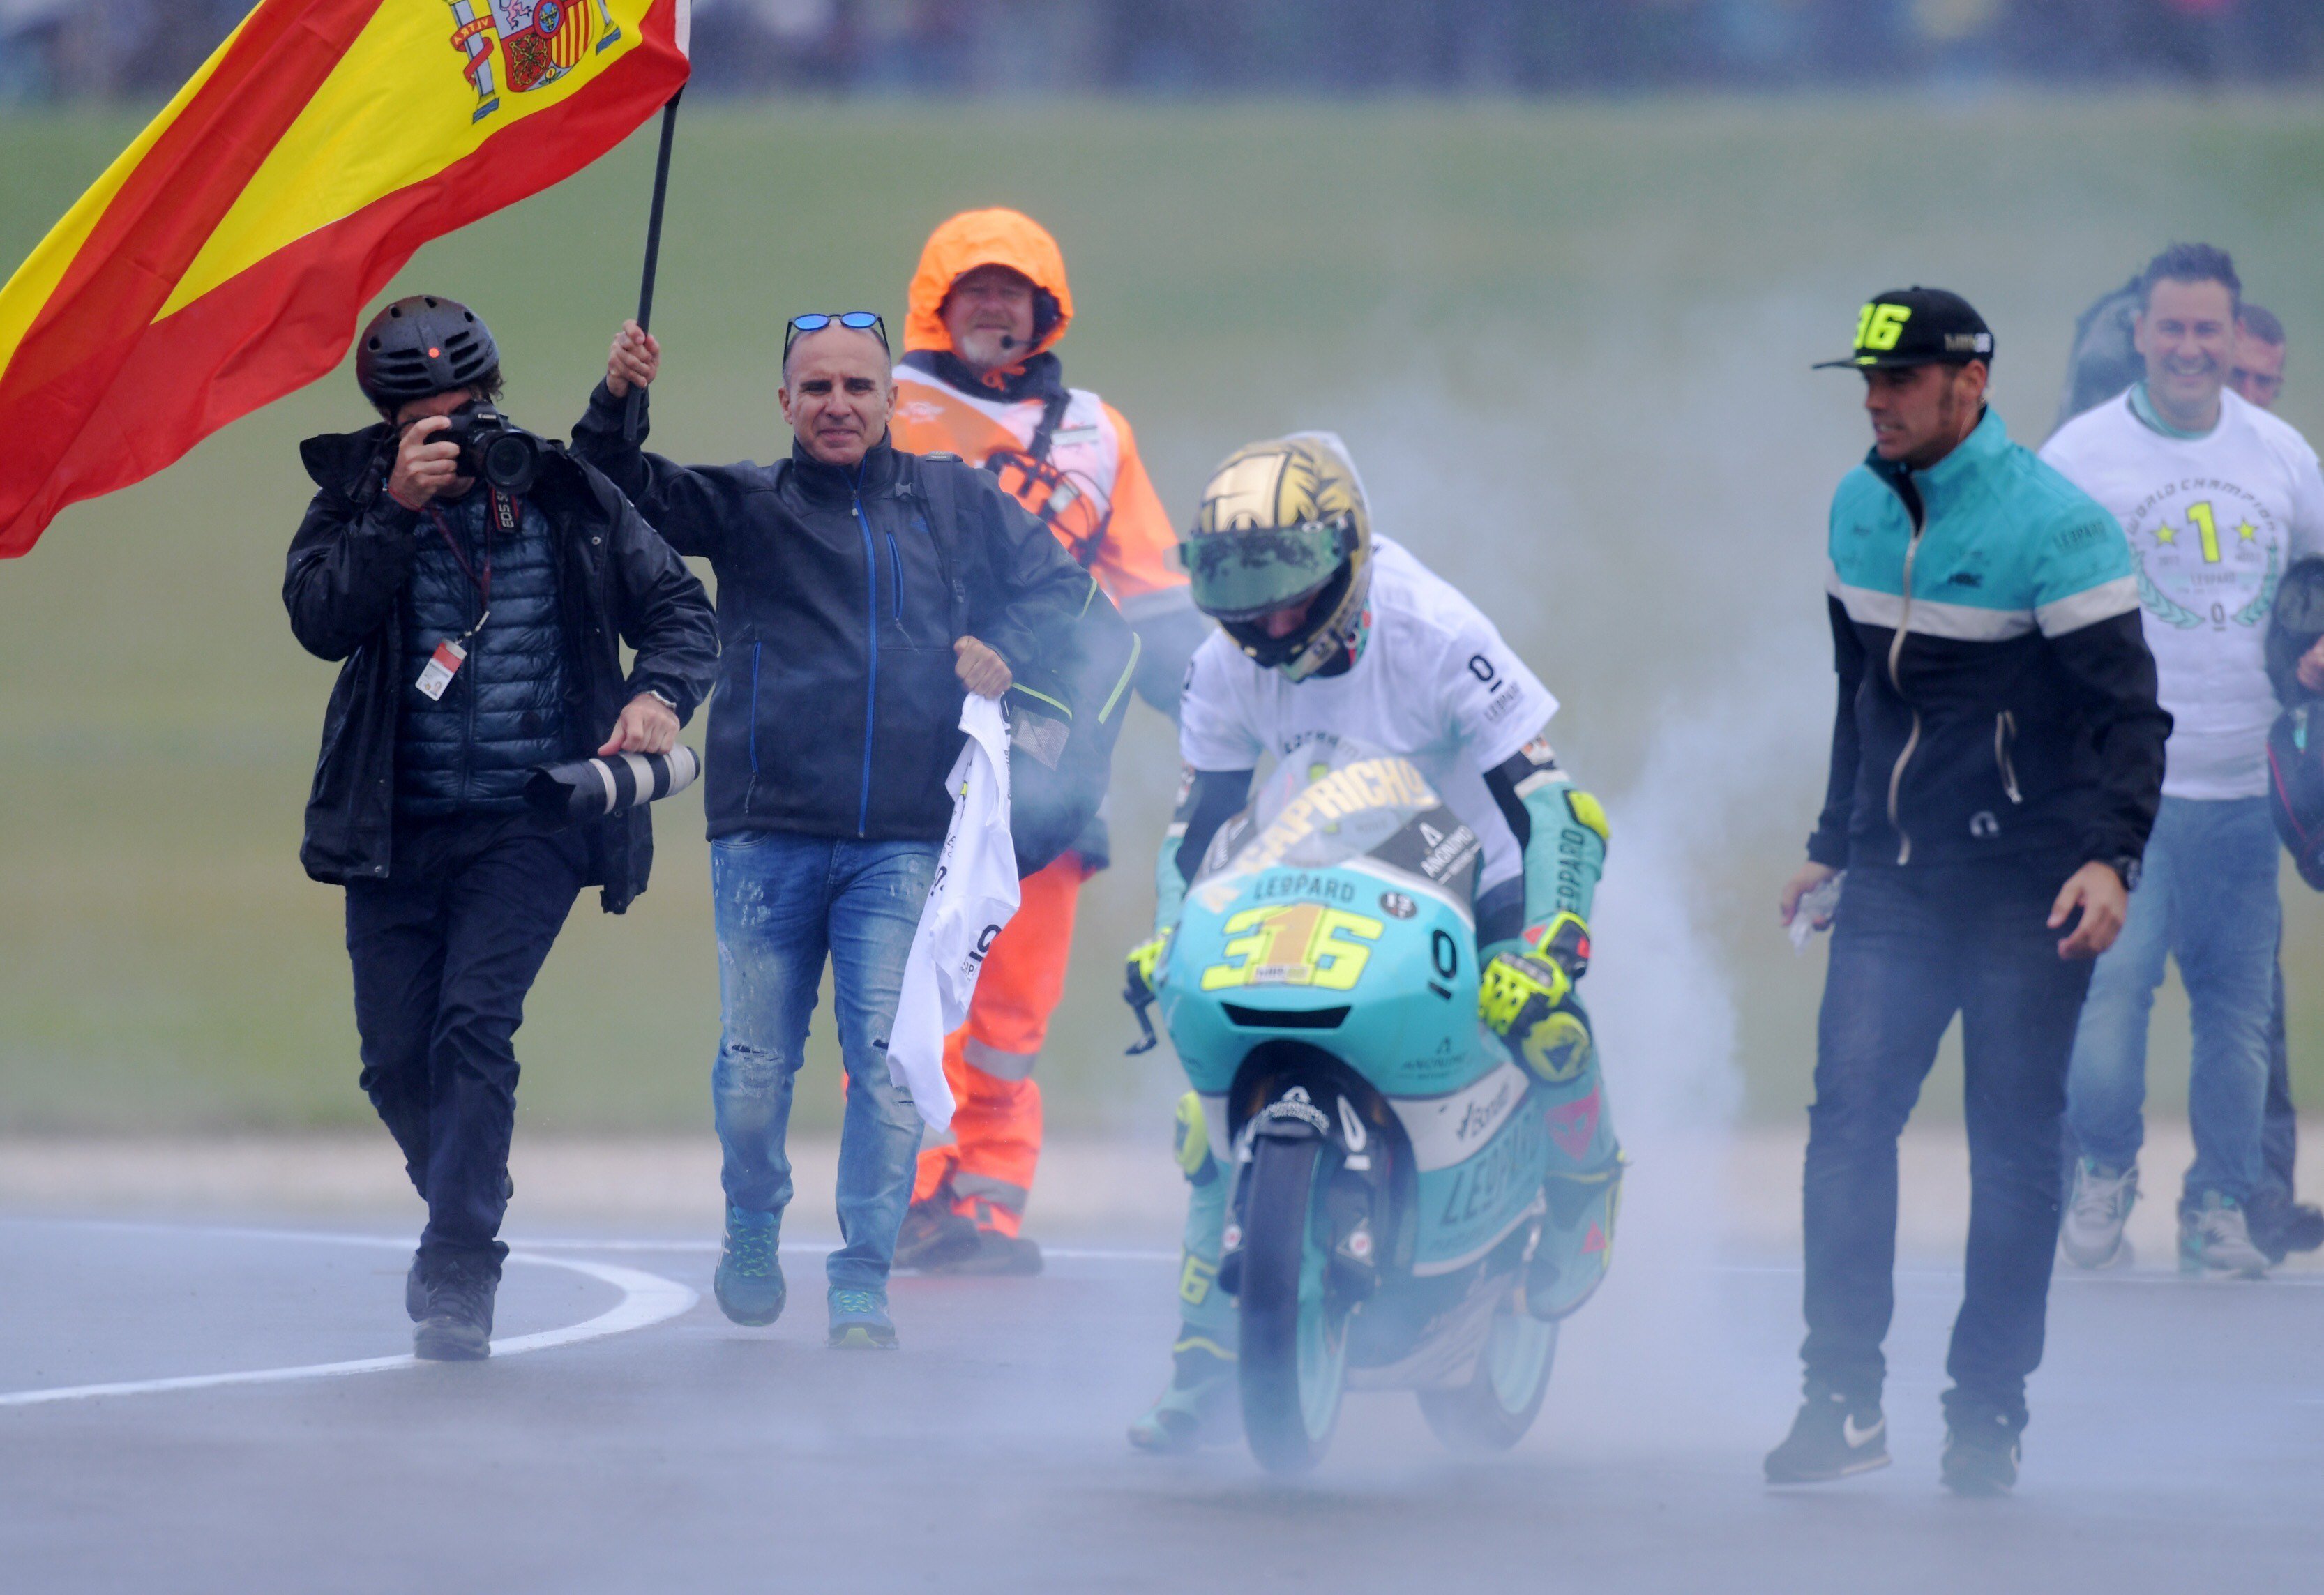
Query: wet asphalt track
[2178,1442]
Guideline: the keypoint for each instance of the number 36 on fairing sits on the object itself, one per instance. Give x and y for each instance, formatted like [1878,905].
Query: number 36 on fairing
[1294,945]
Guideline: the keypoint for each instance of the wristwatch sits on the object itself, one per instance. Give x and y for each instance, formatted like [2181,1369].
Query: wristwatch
[2125,865]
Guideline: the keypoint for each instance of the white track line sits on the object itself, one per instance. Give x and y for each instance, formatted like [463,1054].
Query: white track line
[559,1243]
[646,1299]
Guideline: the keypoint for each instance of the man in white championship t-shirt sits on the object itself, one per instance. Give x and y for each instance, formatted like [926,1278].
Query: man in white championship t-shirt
[2217,497]
[1331,634]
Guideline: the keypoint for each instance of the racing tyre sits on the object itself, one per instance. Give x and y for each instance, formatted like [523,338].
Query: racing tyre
[1295,1345]
[1494,1408]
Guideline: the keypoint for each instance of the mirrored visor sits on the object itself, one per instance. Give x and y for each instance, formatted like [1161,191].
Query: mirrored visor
[1240,575]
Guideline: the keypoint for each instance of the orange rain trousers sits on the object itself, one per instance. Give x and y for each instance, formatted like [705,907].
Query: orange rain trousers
[996,1122]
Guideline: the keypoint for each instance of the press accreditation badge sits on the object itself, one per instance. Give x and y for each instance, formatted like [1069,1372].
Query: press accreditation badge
[442,665]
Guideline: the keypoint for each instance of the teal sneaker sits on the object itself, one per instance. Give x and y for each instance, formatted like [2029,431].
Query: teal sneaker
[860,1320]
[748,1284]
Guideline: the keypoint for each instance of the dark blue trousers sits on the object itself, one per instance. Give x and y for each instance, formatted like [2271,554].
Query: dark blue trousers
[444,952]
[1911,948]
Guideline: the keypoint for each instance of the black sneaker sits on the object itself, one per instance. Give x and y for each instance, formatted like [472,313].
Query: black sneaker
[415,1293]
[1832,1437]
[459,1326]
[934,1236]
[1981,1455]
[2280,1226]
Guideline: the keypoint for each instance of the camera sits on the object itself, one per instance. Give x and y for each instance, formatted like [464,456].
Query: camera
[494,449]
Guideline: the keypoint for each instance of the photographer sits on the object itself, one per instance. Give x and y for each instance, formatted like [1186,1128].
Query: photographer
[859,592]
[481,625]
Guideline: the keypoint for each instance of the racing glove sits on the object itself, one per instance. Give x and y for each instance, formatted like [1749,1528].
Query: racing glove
[1139,968]
[1138,987]
[1528,1001]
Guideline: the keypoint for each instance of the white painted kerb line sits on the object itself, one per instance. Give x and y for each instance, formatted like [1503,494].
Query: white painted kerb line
[646,1299]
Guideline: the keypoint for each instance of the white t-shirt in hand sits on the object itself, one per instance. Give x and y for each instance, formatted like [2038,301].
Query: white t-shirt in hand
[974,896]
[2213,522]
[1435,683]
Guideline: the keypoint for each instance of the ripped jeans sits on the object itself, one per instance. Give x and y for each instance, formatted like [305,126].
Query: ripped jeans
[782,902]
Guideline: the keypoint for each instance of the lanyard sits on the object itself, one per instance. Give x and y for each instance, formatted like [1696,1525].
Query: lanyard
[504,512]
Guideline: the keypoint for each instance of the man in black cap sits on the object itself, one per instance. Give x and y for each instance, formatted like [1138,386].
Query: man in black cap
[1997,759]
[481,626]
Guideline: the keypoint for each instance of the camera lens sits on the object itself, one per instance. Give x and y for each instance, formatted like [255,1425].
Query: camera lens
[508,461]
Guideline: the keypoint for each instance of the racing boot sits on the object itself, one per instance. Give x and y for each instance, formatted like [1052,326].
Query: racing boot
[1576,1246]
[1201,1405]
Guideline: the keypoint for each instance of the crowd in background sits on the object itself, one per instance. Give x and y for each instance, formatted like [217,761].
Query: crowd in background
[84,49]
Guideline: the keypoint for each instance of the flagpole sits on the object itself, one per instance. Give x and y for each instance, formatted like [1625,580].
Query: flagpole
[630,416]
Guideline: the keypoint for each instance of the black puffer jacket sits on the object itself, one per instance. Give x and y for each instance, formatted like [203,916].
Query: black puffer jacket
[838,710]
[347,569]
[469,749]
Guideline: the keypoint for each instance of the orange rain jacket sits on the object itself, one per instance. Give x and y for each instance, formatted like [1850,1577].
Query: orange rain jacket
[1092,489]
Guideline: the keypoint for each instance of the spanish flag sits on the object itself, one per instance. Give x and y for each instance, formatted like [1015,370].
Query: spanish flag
[224,259]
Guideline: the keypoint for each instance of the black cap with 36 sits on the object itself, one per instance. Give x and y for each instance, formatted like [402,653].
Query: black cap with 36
[1916,327]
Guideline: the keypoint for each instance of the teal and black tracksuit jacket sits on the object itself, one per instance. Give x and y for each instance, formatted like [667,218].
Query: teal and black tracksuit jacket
[1997,728]
[1997,698]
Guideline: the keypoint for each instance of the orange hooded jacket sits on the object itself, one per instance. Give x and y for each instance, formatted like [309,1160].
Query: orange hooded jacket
[1092,489]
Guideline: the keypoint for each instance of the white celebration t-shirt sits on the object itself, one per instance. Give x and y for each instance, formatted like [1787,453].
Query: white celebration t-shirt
[1435,683]
[2212,523]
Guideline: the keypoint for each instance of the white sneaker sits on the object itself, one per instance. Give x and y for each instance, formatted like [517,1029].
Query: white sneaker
[2216,1238]
[2097,1208]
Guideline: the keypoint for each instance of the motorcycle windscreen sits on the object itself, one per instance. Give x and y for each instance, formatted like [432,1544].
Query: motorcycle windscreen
[1323,808]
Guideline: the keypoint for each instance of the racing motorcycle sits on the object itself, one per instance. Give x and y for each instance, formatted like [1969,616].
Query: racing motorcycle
[1388,1155]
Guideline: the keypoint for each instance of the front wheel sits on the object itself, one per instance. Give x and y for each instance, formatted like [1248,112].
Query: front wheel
[1295,1347]
[1494,1408]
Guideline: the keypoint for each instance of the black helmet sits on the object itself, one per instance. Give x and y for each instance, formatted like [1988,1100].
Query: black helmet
[421,346]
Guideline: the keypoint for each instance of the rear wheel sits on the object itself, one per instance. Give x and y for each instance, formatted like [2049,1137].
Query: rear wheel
[1294,1349]
[1494,1408]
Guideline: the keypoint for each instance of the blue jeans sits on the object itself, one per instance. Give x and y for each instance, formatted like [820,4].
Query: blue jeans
[2207,898]
[782,902]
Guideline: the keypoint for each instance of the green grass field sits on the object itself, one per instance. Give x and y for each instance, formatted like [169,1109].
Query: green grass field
[1569,347]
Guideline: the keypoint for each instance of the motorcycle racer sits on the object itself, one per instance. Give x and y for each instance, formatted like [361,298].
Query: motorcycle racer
[979,379]
[1332,633]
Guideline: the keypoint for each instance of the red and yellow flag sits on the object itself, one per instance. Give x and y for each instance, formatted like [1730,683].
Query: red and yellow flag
[224,259]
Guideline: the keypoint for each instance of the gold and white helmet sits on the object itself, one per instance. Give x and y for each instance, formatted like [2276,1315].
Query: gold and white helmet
[1283,522]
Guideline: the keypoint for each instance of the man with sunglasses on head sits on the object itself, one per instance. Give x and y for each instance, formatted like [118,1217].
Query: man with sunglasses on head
[980,378]
[852,618]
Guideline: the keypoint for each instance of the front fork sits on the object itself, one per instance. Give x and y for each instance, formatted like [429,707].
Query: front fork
[1358,1198]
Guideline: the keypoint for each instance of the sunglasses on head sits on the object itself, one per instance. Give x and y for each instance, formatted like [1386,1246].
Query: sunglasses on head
[816,320]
